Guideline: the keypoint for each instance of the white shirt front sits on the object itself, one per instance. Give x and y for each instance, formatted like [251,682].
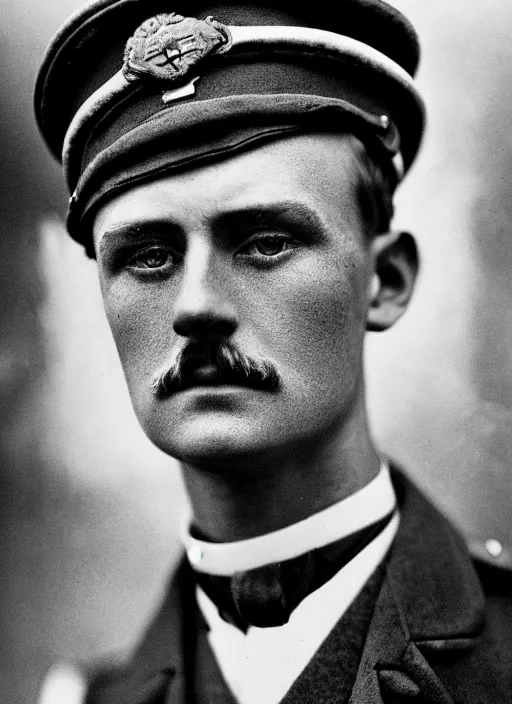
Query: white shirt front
[261,665]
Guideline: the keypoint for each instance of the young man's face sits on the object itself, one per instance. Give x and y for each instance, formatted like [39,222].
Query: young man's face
[267,252]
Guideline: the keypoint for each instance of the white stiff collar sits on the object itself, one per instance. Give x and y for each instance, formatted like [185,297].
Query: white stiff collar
[368,505]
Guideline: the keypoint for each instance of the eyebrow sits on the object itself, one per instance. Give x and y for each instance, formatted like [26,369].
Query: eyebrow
[138,230]
[262,214]
[289,211]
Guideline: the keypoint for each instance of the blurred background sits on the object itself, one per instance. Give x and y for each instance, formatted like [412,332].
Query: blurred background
[89,509]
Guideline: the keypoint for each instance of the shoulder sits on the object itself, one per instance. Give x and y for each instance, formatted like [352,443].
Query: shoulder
[496,582]
[157,660]
[92,683]
[430,553]
[492,561]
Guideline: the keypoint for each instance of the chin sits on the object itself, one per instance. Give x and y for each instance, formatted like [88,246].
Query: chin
[210,439]
[213,427]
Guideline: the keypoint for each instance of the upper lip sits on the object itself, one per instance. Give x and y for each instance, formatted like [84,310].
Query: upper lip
[207,374]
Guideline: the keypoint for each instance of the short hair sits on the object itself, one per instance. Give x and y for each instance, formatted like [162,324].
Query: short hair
[376,187]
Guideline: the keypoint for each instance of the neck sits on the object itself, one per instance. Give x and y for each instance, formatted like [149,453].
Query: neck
[241,498]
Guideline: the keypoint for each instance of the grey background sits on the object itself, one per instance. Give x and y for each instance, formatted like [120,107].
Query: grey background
[89,509]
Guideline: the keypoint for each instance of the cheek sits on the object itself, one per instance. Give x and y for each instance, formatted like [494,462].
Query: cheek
[142,327]
[313,323]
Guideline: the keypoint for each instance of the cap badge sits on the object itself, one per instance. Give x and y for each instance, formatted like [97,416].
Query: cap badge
[166,47]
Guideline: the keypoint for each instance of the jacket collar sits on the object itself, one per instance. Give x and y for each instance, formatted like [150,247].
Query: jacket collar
[431,604]
[169,645]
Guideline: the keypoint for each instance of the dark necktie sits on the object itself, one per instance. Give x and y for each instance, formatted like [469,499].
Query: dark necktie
[267,596]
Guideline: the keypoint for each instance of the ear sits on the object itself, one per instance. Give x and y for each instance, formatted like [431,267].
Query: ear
[396,263]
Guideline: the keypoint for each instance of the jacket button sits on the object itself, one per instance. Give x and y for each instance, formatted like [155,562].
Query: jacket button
[493,547]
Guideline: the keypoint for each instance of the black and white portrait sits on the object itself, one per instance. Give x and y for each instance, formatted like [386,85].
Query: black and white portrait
[255,362]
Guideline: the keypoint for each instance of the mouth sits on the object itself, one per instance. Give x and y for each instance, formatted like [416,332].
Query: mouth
[209,375]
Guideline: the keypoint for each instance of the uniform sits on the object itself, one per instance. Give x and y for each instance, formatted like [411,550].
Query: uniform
[439,631]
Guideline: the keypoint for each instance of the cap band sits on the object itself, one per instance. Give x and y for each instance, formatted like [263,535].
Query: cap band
[159,145]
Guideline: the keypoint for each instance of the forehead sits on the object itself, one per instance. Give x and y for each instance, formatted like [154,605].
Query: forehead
[321,171]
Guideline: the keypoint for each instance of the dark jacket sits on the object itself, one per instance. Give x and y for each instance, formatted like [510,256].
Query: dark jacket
[441,631]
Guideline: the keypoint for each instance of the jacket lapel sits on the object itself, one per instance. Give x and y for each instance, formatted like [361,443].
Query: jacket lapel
[392,668]
[170,642]
[430,609]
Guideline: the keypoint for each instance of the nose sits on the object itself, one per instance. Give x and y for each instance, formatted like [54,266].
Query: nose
[203,310]
[205,325]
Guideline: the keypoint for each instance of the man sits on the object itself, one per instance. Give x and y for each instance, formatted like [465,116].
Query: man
[232,170]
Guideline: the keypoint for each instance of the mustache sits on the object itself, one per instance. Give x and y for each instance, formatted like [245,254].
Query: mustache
[230,364]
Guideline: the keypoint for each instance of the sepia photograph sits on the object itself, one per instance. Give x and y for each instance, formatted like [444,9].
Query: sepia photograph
[256,352]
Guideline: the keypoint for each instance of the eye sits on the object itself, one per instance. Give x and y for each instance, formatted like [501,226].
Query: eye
[268,246]
[152,258]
